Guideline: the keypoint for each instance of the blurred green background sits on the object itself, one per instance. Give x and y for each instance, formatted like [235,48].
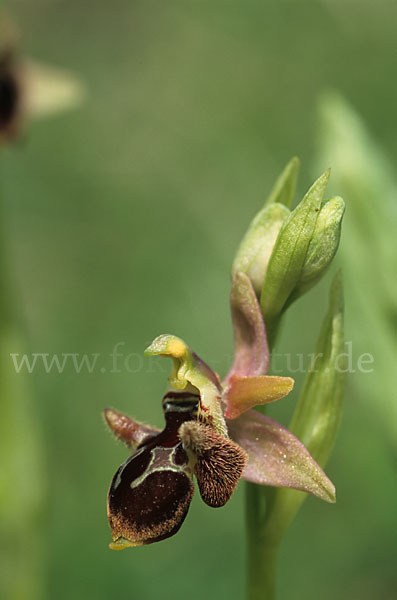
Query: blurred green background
[121,220]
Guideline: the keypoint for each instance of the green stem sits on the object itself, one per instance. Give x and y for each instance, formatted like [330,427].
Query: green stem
[262,545]
[272,329]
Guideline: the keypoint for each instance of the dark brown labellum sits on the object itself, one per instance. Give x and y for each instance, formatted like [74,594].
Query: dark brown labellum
[150,507]
[150,493]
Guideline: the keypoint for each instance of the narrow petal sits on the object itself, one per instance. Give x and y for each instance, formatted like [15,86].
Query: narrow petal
[51,90]
[128,431]
[251,353]
[244,393]
[277,458]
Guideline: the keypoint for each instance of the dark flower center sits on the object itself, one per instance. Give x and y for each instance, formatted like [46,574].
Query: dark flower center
[9,97]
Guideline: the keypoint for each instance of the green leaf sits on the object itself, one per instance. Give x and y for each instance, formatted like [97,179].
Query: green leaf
[23,482]
[366,176]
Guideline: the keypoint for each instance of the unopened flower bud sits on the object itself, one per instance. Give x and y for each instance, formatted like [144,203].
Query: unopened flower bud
[290,252]
[323,245]
[257,245]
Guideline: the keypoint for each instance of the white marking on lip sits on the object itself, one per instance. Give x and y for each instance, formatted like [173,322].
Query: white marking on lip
[123,466]
[158,456]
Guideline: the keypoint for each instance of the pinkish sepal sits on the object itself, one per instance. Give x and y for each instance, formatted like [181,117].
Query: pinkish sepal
[126,429]
[251,353]
[277,458]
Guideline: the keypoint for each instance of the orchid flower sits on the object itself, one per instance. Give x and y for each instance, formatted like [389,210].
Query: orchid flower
[211,433]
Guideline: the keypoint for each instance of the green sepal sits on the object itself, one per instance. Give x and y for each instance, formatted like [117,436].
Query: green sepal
[322,247]
[257,245]
[284,189]
[290,251]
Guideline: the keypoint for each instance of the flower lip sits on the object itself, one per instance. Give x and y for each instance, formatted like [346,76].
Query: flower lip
[152,510]
[150,493]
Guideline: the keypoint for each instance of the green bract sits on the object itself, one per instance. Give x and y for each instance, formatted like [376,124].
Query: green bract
[316,418]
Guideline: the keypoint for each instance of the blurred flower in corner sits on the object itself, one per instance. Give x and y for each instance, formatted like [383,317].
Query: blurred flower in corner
[30,89]
[27,90]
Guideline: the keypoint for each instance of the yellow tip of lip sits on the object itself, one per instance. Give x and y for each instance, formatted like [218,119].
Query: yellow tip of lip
[122,543]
